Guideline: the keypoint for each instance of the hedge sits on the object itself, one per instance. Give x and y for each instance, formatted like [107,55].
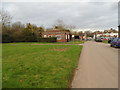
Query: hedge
[51,39]
[7,38]
[30,39]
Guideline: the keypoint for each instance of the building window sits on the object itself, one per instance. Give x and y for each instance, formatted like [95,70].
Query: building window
[49,35]
[66,36]
[45,35]
[58,37]
[73,36]
[57,32]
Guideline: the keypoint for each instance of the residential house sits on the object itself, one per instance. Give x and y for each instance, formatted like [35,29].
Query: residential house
[107,33]
[62,35]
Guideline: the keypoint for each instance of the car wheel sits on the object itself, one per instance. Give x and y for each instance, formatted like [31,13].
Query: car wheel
[110,45]
[115,46]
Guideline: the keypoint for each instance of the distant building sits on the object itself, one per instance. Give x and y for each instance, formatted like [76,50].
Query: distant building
[110,34]
[62,36]
[75,37]
[107,33]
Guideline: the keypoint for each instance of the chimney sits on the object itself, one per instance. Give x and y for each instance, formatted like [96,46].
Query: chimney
[56,27]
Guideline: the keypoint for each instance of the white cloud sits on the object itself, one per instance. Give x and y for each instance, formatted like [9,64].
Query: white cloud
[84,15]
[60,0]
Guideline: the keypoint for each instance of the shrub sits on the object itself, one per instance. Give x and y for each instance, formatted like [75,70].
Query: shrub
[30,38]
[7,38]
[0,38]
[51,39]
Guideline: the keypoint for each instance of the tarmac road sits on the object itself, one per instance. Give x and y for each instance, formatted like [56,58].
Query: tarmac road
[97,67]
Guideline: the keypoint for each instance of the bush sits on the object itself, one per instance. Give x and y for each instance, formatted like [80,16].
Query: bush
[29,39]
[28,36]
[0,38]
[7,38]
[51,39]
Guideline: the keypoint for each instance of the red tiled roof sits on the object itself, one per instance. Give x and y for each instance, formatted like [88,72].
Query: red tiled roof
[55,30]
[99,33]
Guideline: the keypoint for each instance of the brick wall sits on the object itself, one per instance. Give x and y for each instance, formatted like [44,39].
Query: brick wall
[62,36]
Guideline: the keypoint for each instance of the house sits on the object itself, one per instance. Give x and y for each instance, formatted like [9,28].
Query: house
[110,33]
[75,37]
[62,35]
[107,33]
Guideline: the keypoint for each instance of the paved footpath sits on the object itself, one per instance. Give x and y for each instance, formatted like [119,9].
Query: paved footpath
[97,67]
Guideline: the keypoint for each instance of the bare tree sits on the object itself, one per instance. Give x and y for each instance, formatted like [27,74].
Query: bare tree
[89,33]
[18,26]
[59,23]
[5,18]
[80,33]
[62,26]
[0,28]
[70,27]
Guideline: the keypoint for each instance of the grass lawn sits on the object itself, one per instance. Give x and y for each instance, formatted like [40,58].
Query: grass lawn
[105,41]
[0,65]
[75,42]
[71,42]
[39,66]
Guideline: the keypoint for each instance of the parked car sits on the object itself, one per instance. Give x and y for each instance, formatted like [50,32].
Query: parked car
[98,39]
[115,42]
[104,39]
[89,38]
[111,39]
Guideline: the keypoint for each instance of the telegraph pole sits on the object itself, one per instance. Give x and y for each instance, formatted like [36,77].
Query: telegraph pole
[119,31]
[119,19]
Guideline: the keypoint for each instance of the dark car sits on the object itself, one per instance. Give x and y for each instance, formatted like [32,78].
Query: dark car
[111,39]
[115,42]
[98,39]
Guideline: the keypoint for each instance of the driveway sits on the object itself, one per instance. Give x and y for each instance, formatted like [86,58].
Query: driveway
[97,67]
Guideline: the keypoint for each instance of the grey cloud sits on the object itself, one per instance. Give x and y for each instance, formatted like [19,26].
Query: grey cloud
[86,15]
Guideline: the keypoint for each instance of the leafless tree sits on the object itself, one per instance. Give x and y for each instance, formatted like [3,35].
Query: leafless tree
[70,27]
[89,33]
[62,26]
[59,24]
[5,18]
[80,33]
[18,26]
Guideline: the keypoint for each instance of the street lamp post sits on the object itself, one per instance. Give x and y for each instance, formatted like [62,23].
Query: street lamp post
[119,31]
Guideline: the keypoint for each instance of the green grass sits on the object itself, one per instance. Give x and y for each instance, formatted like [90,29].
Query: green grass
[0,65]
[105,41]
[76,42]
[39,66]
[70,42]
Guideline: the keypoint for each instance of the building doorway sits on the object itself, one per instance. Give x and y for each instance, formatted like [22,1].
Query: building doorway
[76,37]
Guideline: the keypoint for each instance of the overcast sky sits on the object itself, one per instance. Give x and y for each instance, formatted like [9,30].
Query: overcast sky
[84,15]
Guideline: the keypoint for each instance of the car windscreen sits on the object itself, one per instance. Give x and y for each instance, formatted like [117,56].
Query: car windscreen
[98,38]
[119,39]
[112,38]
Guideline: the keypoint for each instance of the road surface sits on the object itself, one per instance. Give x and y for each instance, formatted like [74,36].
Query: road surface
[97,67]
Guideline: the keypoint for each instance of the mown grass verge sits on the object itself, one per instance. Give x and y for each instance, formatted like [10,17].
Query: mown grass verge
[70,42]
[105,41]
[39,66]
